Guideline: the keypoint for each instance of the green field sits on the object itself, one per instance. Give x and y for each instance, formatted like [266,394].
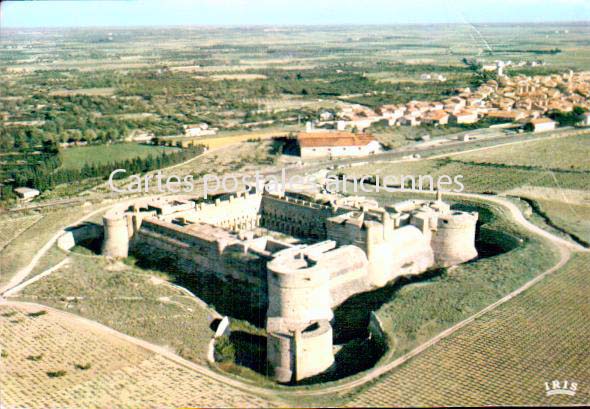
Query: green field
[506,356]
[562,153]
[570,217]
[25,242]
[560,163]
[77,157]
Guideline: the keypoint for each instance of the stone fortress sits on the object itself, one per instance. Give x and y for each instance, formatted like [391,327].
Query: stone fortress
[306,253]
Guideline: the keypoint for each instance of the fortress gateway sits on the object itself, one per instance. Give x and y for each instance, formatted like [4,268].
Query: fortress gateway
[352,246]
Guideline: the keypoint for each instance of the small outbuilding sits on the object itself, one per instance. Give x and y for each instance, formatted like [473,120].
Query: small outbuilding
[543,124]
[26,193]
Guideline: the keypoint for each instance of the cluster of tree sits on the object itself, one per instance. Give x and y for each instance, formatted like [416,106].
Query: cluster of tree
[567,118]
[47,174]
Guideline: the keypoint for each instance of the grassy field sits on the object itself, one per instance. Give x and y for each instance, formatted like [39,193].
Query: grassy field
[561,153]
[12,227]
[570,217]
[77,157]
[133,301]
[231,138]
[400,136]
[51,360]
[560,163]
[103,92]
[479,177]
[506,356]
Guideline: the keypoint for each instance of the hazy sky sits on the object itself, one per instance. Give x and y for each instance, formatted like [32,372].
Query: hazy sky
[284,12]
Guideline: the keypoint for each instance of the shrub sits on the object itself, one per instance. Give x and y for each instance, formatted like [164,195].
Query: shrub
[56,374]
[225,351]
[37,314]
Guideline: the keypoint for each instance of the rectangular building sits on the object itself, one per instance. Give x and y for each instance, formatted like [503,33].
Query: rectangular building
[336,144]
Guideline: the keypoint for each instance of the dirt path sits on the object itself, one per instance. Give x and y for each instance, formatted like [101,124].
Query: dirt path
[25,271]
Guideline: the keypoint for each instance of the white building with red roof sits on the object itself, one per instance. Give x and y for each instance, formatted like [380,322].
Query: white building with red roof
[315,145]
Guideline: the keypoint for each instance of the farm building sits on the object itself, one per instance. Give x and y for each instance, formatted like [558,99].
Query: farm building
[336,144]
[199,130]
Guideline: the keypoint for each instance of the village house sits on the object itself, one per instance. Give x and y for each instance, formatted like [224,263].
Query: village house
[409,120]
[438,117]
[326,116]
[464,117]
[454,104]
[506,115]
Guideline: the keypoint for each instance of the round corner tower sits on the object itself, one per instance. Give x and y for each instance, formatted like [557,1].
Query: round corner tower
[116,235]
[299,343]
[454,240]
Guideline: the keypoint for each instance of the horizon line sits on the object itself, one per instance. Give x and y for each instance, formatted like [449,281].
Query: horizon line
[298,25]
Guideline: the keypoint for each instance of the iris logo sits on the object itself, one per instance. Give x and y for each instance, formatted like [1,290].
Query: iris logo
[561,388]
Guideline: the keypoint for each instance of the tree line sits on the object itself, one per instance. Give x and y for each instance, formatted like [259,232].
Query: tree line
[47,173]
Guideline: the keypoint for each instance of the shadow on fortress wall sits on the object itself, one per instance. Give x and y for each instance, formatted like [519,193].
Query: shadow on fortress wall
[229,297]
[87,246]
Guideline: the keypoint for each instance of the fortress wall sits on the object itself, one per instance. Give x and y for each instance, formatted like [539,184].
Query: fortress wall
[72,237]
[295,217]
[280,355]
[454,241]
[352,276]
[299,299]
[305,284]
[206,258]
[194,254]
[406,252]
[346,234]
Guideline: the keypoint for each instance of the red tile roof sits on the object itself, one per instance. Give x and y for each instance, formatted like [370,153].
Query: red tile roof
[542,121]
[333,139]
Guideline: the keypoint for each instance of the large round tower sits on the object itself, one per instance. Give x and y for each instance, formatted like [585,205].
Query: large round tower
[454,240]
[116,235]
[299,342]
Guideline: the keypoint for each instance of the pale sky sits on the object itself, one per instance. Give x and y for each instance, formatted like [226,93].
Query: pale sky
[284,12]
